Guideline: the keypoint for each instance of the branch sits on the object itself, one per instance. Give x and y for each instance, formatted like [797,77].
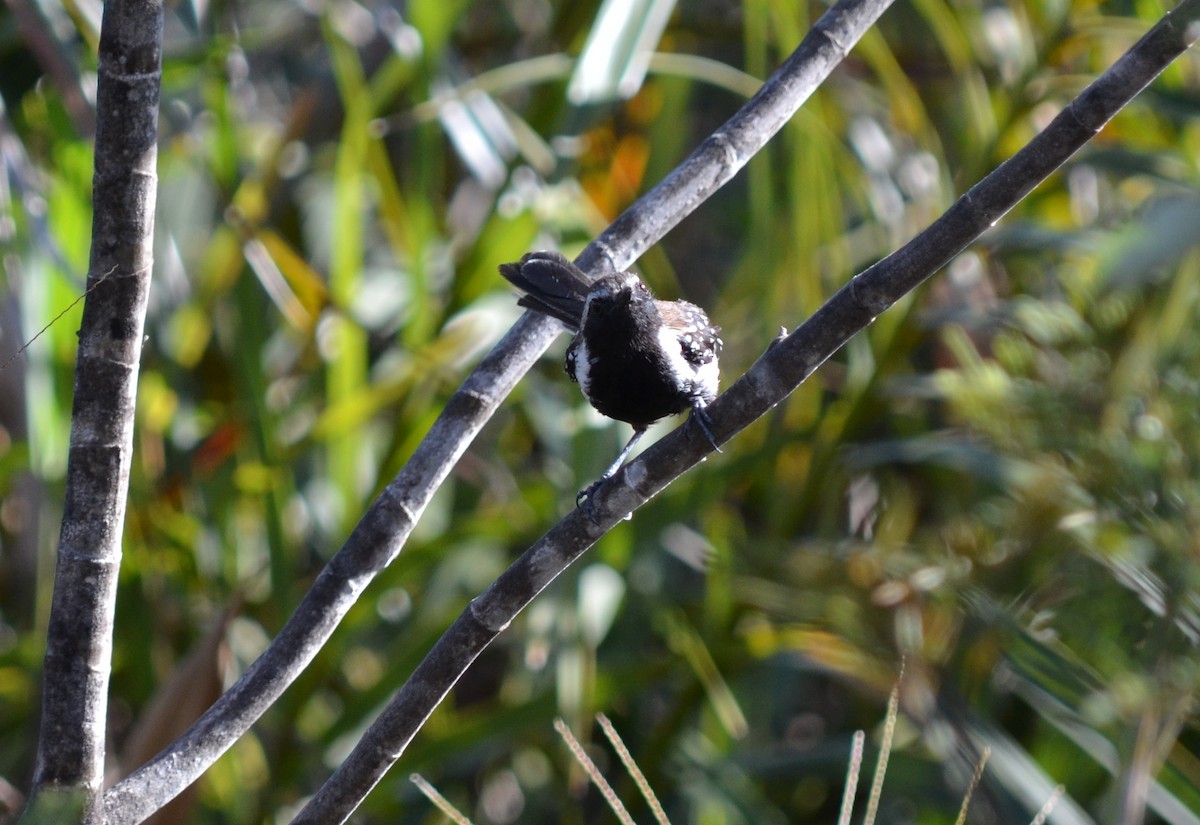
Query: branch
[776,374]
[713,163]
[79,637]
[727,150]
[381,533]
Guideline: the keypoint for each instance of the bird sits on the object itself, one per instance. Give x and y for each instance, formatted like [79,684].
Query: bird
[636,358]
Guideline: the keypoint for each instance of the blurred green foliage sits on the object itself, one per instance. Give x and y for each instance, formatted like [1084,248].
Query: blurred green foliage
[997,483]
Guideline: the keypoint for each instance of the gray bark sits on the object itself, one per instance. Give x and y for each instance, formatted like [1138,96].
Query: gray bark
[380,535]
[79,637]
[785,364]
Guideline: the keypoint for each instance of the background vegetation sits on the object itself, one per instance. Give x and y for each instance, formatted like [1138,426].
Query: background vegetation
[997,484]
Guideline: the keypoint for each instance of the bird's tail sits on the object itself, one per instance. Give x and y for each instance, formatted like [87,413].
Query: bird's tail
[552,285]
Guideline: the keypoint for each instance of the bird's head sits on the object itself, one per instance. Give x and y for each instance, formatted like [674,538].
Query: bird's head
[616,293]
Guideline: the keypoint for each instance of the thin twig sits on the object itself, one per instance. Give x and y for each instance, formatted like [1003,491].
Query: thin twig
[56,318]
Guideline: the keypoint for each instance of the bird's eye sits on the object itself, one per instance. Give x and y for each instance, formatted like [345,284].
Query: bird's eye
[641,285]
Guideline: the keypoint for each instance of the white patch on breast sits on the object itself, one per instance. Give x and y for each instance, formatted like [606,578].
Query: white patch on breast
[583,366]
[708,376]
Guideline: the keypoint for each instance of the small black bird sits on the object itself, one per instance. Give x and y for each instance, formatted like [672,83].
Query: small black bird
[637,359]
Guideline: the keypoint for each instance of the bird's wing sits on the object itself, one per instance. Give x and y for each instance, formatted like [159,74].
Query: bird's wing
[699,338]
[552,285]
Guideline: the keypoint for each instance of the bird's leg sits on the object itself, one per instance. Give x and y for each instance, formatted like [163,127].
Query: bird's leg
[588,491]
[700,417]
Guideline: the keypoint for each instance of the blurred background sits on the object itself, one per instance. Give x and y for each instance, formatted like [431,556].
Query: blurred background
[996,484]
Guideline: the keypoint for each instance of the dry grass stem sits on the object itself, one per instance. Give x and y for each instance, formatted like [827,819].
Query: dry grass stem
[1044,813]
[585,761]
[442,803]
[962,814]
[639,778]
[885,749]
[852,771]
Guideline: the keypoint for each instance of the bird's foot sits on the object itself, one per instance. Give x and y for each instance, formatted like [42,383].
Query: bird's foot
[588,494]
[700,417]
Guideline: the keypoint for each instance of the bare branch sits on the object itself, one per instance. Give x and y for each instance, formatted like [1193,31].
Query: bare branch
[791,359]
[79,638]
[381,533]
[712,164]
[777,373]
[727,150]
[373,544]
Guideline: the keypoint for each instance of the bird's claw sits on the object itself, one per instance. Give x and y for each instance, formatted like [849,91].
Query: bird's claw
[701,418]
[588,494]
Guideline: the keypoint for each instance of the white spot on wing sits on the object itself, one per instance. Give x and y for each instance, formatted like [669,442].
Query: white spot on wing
[683,372]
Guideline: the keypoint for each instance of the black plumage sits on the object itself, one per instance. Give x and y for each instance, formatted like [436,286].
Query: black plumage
[637,359]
